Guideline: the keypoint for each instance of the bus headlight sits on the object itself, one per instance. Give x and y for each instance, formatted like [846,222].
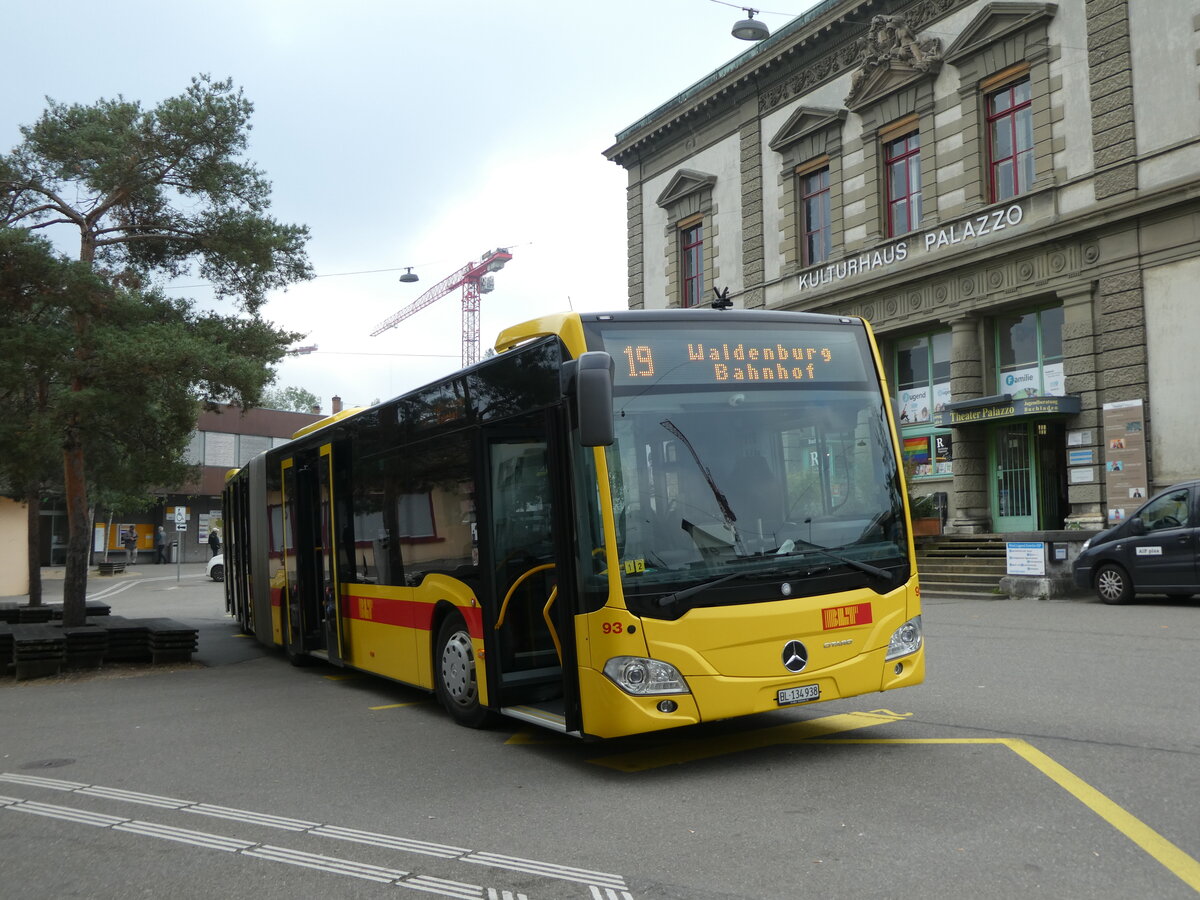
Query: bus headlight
[905,640]
[639,675]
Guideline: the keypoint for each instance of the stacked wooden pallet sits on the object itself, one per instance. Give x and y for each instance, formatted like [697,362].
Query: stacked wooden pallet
[6,647]
[128,639]
[38,650]
[42,649]
[171,641]
[87,646]
[33,614]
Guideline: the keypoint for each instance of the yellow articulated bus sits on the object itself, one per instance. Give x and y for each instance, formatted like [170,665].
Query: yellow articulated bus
[622,522]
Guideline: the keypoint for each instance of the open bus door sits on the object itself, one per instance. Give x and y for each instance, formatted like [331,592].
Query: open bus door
[532,660]
[313,625]
[329,586]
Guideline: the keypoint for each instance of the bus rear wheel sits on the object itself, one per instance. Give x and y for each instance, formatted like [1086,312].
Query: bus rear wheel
[455,675]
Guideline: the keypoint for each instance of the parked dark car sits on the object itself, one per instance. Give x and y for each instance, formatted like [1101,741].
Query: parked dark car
[1154,551]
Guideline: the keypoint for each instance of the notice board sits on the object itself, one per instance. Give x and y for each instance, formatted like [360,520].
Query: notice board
[1125,474]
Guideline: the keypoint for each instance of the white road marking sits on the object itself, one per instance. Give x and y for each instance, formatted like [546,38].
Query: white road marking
[114,589]
[444,888]
[67,814]
[254,818]
[327,864]
[132,797]
[504,895]
[50,784]
[387,840]
[609,894]
[566,873]
[186,836]
[603,885]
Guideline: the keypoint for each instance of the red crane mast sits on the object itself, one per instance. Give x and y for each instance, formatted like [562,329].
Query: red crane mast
[474,278]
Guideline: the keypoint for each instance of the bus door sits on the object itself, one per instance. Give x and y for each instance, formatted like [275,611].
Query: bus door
[328,583]
[530,564]
[304,630]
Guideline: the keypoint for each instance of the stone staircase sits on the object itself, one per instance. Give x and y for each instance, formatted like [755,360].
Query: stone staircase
[967,567]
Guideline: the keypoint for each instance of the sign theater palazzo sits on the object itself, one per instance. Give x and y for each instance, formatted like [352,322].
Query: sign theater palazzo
[932,241]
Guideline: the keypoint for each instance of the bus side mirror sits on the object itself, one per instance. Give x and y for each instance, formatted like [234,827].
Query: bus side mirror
[594,398]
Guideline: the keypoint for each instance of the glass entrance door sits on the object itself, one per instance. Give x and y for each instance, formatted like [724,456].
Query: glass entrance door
[1014,483]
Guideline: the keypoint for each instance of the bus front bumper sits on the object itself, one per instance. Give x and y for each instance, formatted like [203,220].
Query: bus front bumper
[609,712]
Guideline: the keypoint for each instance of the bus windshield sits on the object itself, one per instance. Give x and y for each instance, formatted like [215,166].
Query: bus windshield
[753,453]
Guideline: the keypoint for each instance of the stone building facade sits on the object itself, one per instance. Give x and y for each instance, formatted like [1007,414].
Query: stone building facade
[1009,192]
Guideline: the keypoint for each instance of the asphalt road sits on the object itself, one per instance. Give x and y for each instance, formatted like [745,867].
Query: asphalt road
[1054,751]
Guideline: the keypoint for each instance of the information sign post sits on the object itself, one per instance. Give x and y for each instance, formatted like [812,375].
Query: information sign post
[180,528]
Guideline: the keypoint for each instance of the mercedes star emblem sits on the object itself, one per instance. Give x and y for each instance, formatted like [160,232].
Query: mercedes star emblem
[795,656]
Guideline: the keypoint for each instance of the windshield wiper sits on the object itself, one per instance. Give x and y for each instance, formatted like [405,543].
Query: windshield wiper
[875,571]
[707,585]
[695,589]
[726,511]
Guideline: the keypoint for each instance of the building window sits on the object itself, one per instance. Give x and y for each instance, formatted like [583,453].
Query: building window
[1010,140]
[814,217]
[902,157]
[691,245]
[1029,354]
[923,388]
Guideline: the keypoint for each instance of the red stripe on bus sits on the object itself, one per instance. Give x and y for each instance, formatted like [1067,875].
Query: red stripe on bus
[406,613]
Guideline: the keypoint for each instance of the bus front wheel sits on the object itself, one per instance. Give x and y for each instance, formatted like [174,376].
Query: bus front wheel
[455,675]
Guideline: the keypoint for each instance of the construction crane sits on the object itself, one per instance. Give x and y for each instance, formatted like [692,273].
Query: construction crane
[474,278]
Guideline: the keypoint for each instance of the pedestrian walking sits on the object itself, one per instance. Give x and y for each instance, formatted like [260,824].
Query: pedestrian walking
[214,542]
[130,541]
[160,544]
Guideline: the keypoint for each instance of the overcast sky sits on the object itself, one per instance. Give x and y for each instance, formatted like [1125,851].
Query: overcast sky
[403,133]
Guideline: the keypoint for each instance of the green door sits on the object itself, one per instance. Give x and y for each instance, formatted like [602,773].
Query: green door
[1014,481]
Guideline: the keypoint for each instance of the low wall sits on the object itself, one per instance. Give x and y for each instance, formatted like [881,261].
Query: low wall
[1057,581]
[14,549]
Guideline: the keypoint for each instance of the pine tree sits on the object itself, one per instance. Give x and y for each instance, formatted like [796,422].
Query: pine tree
[152,193]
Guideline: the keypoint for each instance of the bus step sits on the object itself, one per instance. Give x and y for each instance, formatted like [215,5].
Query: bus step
[531,676]
[546,718]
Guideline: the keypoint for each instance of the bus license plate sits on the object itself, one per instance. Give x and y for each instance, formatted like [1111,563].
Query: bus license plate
[801,694]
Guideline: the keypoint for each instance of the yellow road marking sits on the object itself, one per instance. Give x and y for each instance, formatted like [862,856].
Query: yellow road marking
[535,736]
[690,751]
[1176,861]
[341,677]
[1171,857]
[399,705]
[815,731]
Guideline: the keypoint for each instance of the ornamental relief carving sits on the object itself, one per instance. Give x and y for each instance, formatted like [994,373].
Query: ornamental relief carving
[843,58]
[891,45]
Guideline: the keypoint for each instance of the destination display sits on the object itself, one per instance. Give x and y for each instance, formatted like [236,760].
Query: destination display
[738,356]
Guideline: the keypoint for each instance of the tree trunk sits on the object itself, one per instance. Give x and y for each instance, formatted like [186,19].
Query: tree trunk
[33,511]
[78,536]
